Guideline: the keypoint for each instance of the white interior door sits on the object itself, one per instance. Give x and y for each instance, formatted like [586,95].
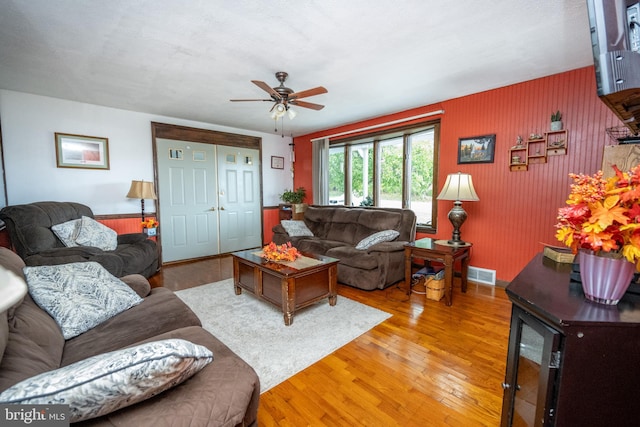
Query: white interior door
[239,198]
[187,184]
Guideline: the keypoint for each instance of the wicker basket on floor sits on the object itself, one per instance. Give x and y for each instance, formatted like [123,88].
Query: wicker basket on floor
[435,287]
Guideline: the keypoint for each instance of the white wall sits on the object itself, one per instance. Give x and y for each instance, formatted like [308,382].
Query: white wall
[28,126]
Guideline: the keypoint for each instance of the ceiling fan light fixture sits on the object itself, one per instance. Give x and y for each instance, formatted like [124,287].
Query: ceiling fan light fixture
[292,113]
[278,111]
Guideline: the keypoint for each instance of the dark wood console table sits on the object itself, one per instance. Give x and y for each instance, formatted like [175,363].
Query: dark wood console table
[571,362]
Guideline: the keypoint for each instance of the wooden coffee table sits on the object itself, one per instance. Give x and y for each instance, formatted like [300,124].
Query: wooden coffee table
[289,288]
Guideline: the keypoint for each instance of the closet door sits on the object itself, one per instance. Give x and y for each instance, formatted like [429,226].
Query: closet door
[239,200]
[187,185]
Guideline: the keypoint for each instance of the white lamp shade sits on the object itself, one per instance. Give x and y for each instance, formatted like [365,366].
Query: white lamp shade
[142,190]
[459,186]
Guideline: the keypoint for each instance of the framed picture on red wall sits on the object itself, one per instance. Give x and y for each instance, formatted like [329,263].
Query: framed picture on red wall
[476,149]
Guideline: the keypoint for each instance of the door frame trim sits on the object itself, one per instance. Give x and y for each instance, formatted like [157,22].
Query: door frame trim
[206,136]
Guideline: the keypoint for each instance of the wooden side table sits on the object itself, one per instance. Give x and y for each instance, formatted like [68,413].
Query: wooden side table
[429,249]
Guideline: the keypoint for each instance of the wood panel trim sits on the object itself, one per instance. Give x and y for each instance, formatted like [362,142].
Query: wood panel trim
[207,136]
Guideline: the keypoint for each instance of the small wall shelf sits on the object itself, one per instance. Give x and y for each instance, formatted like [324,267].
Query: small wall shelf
[537,150]
[557,142]
[519,157]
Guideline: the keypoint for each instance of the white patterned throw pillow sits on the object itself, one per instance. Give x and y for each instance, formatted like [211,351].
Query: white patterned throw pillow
[296,228]
[79,295]
[67,232]
[375,238]
[107,382]
[92,233]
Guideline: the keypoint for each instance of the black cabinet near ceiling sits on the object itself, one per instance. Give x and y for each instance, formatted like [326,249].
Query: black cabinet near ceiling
[571,362]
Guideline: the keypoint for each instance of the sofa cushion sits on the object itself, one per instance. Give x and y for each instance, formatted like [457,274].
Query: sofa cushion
[107,382]
[296,228]
[371,221]
[225,393]
[375,238]
[92,233]
[67,232]
[348,255]
[343,225]
[161,311]
[317,246]
[79,295]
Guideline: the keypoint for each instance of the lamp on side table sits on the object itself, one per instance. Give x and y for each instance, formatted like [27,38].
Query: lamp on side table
[459,188]
[142,190]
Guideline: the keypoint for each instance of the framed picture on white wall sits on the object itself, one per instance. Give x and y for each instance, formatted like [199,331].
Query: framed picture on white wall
[80,151]
[277,162]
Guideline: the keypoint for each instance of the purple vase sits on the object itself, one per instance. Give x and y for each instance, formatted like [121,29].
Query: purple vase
[604,280]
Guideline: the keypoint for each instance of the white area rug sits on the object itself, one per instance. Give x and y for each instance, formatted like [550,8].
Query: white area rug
[255,329]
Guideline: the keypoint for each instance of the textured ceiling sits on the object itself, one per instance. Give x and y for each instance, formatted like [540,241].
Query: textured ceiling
[186,59]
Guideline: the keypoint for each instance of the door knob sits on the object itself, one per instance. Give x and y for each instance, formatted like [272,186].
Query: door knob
[213,208]
[221,208]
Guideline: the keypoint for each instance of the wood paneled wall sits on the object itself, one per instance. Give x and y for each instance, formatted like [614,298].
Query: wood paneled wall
[517,211]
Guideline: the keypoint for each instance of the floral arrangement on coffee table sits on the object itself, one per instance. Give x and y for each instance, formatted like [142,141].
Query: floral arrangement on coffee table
[603,215]
[284,252]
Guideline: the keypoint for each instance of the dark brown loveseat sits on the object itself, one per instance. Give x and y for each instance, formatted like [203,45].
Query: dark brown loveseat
[29,228]
[225,393]
[338,229]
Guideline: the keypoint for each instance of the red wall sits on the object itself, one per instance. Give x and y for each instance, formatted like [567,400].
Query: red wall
[517,210]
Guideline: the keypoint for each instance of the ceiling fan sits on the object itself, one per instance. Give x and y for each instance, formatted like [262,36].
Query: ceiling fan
[283,97]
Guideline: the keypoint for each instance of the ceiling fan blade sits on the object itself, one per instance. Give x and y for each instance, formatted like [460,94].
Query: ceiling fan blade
[309,92]
[242,100]
[267,88]
[305,104]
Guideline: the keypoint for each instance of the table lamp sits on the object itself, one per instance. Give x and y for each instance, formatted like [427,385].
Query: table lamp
[459,188]
[142,190]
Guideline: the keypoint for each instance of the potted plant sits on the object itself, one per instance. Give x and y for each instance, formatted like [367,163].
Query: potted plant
[556,121]
[601,223]
[296,199]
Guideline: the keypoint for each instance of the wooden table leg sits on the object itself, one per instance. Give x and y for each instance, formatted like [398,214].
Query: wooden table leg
[465,271]
[288,300]
[236,276]
[333,285]
[448,279]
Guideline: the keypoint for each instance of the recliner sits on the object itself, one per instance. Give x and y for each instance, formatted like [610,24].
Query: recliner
[29,228]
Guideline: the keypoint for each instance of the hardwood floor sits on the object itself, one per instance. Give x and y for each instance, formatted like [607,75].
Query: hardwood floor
[427,365]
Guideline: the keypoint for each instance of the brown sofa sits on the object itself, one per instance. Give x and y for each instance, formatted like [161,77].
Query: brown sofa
[225,393]
[338,229]
[29,228]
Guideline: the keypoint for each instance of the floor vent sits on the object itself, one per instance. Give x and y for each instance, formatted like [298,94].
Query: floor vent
[482,275]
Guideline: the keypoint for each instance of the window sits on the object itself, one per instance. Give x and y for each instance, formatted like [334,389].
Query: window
[395,169]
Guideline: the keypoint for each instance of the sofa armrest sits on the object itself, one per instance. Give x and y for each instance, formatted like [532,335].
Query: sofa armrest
[113,263]
[280,235]
[81,251]
[131,238]
[138,283]
[388,246]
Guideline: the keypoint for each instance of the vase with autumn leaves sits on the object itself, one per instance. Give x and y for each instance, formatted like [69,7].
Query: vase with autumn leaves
[601,223]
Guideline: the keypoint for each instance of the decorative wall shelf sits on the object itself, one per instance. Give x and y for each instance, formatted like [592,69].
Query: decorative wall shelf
[519,157]
[557,142]
[537,149]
